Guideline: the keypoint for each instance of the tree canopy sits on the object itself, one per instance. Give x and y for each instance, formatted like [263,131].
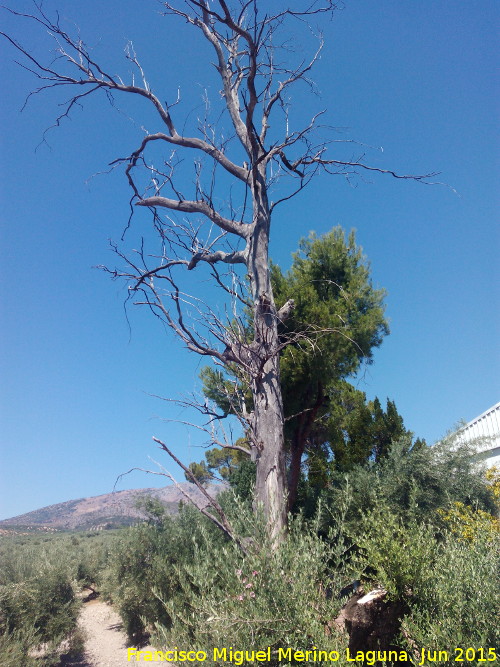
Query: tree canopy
[337,322]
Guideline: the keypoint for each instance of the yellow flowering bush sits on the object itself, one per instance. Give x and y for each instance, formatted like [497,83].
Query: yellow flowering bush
[493,477]
[469,523]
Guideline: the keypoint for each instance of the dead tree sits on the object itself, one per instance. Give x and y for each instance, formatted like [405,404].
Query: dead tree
[255,76]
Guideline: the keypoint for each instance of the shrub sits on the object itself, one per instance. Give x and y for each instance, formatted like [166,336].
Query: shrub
[38,576]
[396,556]
[450,585]
[39,610]
[15,647]
[493,477]
[144,560]
[469,523]
[414,482]
[267,597]
[459,605]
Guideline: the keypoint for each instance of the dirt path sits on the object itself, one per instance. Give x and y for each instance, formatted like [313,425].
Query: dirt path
[105,640]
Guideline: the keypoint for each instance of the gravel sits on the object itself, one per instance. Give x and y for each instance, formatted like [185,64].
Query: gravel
[105,640]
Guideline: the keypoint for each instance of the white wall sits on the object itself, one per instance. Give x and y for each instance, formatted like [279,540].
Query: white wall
[486,426]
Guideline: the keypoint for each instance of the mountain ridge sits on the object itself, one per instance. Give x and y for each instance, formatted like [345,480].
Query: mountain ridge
[108,510]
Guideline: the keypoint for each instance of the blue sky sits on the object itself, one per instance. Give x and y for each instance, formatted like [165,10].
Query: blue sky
[416,78]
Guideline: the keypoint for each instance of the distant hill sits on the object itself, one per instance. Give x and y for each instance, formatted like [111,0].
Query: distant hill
[110,510]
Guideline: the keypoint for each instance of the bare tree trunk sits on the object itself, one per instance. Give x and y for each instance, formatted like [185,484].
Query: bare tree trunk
[270,486]
[268,421]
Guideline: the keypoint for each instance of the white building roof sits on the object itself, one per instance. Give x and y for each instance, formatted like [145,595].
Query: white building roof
[486,427]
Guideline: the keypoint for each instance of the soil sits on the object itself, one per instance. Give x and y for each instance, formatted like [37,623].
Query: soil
[106,642]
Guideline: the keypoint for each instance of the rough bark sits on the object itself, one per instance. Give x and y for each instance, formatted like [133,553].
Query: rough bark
[267,433]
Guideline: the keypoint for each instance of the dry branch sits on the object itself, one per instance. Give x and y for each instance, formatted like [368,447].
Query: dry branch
[245,39]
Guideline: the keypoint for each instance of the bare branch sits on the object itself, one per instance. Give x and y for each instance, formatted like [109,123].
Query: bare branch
[196,143]
[296,75]
[319,160]
[233,292]
[164,473]
[198,207]
[222,522]
[236,257]
[225,72]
